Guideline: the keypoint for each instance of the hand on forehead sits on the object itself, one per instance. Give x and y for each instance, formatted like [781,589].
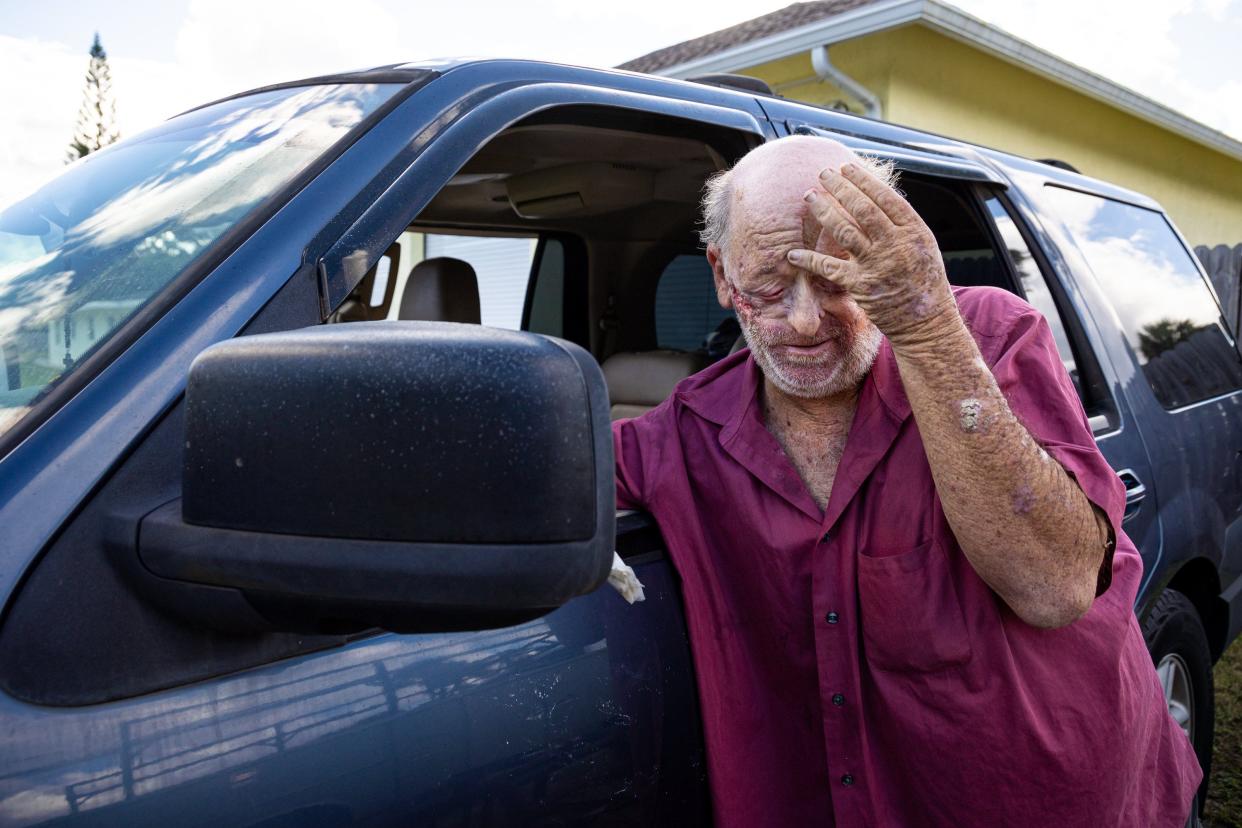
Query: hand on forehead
[768,185]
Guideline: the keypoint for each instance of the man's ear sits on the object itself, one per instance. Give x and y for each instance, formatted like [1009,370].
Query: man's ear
[716,259]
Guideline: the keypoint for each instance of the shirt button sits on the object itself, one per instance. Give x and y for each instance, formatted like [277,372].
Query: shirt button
[832,618]
[847,779]
[826,537]
[838,699]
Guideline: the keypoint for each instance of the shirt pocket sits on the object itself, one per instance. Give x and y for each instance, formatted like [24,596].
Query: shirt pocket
[911,618]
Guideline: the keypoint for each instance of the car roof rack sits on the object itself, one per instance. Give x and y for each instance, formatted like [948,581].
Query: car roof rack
[1059,164]
[746,83]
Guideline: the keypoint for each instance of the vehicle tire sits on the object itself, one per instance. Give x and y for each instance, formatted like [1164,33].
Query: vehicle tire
[1179,650]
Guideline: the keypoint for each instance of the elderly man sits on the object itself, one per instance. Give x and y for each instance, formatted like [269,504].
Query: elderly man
[908,593]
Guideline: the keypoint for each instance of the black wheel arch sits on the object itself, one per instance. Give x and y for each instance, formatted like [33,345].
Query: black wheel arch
[1198,580]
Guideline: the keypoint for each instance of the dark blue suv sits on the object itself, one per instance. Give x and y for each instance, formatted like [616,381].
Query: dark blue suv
[306,497]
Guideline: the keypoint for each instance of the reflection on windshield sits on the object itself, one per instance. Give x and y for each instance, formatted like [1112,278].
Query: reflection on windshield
[83,253]
[1170,317]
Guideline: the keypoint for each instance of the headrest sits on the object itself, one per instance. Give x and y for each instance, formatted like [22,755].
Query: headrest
[638,380]
[441,290]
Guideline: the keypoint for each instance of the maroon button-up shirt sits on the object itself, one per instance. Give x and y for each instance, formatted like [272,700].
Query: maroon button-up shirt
[853,669]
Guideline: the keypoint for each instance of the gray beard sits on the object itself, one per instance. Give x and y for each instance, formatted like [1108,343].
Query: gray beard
[848,373]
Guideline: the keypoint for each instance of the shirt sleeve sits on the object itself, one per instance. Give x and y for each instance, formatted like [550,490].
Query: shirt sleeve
[629,455]
[1040,393]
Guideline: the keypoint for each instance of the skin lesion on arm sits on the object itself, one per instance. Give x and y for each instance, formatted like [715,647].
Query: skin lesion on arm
[1021,519]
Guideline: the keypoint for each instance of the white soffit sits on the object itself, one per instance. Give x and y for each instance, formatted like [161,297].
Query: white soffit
[958,25]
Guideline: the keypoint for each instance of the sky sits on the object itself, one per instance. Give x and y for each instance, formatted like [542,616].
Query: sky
[169,55]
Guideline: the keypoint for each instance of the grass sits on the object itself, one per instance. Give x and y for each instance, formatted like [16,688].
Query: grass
[1224,805]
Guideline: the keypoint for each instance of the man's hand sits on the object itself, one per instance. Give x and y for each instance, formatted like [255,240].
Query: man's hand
[894,271]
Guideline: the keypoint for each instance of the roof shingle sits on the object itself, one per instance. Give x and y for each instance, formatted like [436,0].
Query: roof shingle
[790,17]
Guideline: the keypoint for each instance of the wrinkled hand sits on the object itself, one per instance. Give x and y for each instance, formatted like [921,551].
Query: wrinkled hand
[894,270]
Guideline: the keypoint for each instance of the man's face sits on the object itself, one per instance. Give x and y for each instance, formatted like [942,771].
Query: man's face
[809,337]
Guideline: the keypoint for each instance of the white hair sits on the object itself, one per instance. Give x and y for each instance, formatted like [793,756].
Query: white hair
[717,200]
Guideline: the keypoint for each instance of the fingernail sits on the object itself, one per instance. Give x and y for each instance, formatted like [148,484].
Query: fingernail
[847,168]
[796,256]
[808,196]
[826,175]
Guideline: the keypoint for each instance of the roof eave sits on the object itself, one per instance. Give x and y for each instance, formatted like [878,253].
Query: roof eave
[967,29]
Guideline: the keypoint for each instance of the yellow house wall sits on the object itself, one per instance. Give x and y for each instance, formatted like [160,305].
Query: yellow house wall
[794,77]
[932,82]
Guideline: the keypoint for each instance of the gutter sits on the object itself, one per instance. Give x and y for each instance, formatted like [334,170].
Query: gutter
[824,69]
[951,22]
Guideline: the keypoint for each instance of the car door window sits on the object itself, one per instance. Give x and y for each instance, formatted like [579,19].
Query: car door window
[952,214]
[687,313]
[502,266]
[546,310]
[1169,316]
[1037,292]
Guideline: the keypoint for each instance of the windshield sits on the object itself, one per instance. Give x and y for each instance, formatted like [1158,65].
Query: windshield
[89,249]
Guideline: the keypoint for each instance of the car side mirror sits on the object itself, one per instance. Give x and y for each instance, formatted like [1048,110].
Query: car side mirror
[415,476]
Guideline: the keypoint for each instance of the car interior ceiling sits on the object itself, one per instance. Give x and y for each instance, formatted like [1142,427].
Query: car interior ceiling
[599,183]
[631,193]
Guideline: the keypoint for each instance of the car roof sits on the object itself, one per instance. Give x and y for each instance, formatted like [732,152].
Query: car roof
[846,123]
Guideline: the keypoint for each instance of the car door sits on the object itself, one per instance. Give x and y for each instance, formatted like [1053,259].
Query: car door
[1186,377]
[117,711]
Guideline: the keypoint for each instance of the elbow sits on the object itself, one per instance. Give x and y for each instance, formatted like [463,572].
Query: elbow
[1051,612]
[1055,617]
[1059,598]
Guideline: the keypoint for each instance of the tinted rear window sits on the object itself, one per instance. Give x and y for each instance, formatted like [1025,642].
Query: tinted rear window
[1167,311]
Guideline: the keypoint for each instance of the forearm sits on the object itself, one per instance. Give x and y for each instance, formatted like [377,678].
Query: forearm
[1022,521]
[1024,524]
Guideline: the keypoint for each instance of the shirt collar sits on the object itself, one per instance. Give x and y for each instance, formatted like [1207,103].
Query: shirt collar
[727,392]
[885,379]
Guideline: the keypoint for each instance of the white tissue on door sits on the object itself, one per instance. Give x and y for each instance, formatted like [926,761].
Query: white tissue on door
[624,580]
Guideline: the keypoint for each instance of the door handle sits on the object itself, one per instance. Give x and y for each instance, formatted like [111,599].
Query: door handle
[1135,492]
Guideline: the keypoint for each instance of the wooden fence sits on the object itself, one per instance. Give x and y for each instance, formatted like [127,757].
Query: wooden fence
[1224,266]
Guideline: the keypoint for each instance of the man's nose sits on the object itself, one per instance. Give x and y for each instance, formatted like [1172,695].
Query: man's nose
[806,312]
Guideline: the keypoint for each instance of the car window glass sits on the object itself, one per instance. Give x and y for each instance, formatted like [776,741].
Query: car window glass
[547,304]
[1035,286]
[84,252]
[687,312]
[964,242]
[379,285]
[501,266]
[1169,315]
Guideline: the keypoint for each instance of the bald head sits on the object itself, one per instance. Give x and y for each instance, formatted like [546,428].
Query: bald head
[770,181]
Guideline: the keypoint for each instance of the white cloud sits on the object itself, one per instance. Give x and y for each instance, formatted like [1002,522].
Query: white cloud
[1179,52]
[1131,41]
[41,100]
[1221,10]
[282,40]
[1145,45]
[227,46]
[149,91]
[42,110]
[1219,107]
